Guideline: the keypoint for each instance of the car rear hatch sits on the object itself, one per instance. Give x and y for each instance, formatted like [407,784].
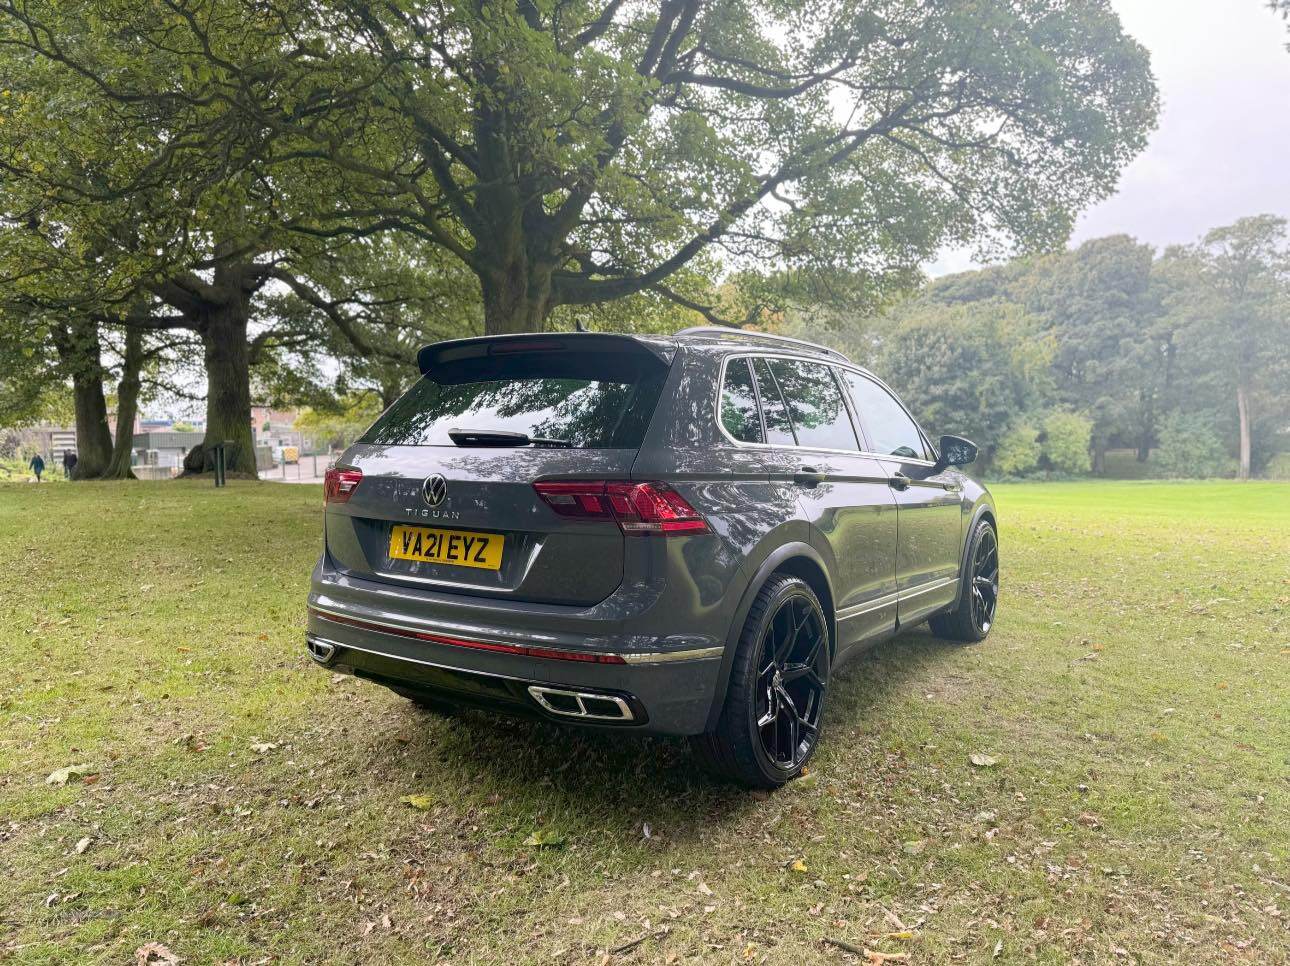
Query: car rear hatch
[441,488]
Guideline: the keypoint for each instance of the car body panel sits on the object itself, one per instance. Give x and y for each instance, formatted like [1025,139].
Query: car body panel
[672,607]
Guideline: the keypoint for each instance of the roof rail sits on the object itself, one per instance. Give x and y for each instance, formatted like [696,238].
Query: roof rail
[723,332]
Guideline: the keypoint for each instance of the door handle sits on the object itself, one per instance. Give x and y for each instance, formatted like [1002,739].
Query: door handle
[809,476]
[899,481]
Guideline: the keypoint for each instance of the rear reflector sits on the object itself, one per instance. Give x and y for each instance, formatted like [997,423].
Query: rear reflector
[339,485]
[638,508]
[526,650]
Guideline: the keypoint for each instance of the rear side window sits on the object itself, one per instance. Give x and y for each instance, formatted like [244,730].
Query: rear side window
[779,428]
[739,413]
[587,400]
[815,404]
[890,429]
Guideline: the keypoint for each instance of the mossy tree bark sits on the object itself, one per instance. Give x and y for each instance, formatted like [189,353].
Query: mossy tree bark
[77,343]
[127,407]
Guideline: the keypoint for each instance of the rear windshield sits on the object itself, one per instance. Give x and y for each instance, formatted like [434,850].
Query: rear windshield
[589,400]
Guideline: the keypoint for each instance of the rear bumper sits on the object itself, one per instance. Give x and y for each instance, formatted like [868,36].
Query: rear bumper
[560,663]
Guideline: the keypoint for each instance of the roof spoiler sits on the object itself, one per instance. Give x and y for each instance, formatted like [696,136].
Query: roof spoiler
[456,350]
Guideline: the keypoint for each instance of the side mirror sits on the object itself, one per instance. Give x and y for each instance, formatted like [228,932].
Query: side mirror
[956,451]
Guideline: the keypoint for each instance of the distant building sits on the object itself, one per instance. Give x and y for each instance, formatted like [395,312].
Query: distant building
[276,429]
[164,449]
[49,441]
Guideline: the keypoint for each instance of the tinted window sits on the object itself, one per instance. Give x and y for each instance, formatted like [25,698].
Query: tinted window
[890,430]
[589,400]
[779,429]
[739,413]
[815,404]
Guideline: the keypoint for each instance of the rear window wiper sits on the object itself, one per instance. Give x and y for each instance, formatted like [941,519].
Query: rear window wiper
[501,437]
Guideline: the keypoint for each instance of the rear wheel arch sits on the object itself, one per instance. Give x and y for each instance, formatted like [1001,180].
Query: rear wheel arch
[794,559]
[812,572]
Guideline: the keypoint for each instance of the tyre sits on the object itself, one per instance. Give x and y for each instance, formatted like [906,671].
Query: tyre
[770,723]
[973,617]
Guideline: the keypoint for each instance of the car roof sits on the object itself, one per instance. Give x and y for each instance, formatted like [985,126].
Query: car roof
[744,338]
[712,338]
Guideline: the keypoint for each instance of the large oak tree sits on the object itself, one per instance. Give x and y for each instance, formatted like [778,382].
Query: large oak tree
[570,153]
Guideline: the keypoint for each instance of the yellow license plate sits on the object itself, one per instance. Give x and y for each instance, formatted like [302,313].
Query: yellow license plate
[460,548]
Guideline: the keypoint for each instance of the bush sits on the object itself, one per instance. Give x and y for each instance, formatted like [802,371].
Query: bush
[1018,452]
[1065,443]
[1190,448]
[1278,467]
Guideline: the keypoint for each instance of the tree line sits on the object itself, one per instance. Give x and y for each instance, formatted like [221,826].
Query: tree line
[1182,356]
[245,191]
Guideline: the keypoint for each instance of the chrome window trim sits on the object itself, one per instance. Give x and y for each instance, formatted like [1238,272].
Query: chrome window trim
[828,363]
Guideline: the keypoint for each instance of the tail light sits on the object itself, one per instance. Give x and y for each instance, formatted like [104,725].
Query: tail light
[339,485]
[636,507]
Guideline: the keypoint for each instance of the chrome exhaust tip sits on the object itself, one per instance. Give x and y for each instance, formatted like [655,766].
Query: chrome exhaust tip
[323,652]
[587,706]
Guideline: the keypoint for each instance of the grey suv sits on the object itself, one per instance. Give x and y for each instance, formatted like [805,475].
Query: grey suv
[681,536]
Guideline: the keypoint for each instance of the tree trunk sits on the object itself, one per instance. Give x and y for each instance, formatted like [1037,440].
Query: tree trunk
[127,407]
[228,391]
[1243,412]
[1099,458]
[93,440]
[391,390]
[516,299]
[78,350]
[1148,430]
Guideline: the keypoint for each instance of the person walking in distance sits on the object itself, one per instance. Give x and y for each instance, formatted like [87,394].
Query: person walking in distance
[69,463]
[37,465]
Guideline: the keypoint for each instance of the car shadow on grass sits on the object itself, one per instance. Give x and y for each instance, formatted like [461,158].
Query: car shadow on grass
[595,782]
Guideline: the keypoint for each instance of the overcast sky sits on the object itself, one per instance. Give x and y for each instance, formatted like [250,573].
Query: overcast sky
[1222,150]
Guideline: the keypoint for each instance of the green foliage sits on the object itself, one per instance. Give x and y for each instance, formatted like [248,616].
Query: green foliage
[343,421]
[1278,468]
[966,369]
[1065,443]
[576,153]
[1190,448]
[1018,452]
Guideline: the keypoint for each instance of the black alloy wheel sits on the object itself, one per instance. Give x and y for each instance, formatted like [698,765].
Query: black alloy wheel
[791,682]
[974,614]
[985,581]
[770,722]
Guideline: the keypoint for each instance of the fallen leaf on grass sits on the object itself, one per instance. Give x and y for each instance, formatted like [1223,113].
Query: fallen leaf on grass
[420,802]
[545,839]
[61,776]
[798,866]
[263,747]
[154,953]
[83,844]
[915,847]
[982,760]
[1090,820]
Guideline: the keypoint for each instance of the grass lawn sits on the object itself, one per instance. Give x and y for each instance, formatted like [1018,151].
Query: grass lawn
[238,804]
